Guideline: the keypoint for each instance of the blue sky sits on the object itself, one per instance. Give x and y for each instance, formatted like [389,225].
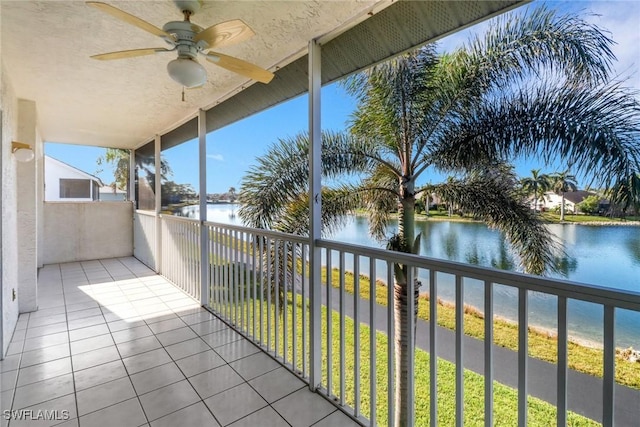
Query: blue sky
[233,149]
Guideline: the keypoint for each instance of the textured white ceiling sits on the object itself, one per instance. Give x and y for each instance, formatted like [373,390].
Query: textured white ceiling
[46,48]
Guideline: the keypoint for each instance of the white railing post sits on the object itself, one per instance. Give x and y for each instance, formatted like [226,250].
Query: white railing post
[609,371]
[523,356]
[315,149]
[204,230]
[158,202]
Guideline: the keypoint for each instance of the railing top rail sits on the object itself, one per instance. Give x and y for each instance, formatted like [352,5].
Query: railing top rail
[268,233]
[590,293]
[179,218]
[145,213]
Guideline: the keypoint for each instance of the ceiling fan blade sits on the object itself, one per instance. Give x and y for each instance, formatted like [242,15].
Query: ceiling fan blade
[239,66]
[129,19]
[122,54]
[225,34]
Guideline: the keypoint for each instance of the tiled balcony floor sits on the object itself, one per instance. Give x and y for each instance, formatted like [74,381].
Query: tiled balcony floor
[116,345]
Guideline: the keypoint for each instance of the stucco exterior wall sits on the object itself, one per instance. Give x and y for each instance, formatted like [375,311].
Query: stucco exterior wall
[27,214]
[8,202]
[85,230]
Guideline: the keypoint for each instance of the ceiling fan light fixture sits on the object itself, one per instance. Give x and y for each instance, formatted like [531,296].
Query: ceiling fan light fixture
[187,72]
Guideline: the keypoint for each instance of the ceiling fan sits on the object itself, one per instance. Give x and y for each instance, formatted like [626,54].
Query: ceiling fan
[190,40]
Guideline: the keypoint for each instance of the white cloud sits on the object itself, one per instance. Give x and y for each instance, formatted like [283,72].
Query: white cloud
[217,157]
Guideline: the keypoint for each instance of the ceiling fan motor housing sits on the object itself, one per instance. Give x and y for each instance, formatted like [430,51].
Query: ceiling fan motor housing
[184,32]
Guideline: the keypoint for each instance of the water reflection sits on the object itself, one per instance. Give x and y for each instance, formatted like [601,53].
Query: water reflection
[604,256]
[633,245]
[503,259]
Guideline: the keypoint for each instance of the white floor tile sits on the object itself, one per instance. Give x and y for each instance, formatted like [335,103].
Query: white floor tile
[104,395]
[264,417]
[141,345]
[44,371]
[200,362]
[303,408]
[42,391]
[215,381]
[124,414]
[100,374]
[176,336]
[195,415]
[226,408]
[187,348]
[148,360]
[168,399]
[157,377]
[276,384]
[254,365]
[95,357]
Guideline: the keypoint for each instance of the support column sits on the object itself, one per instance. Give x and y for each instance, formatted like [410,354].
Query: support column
[158,200]
[131,190]
[315,205]
[27,213]
[204,238]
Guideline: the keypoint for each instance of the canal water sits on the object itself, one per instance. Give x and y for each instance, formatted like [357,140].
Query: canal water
[607,256]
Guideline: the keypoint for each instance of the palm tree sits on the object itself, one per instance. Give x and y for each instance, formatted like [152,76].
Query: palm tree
[627,193]
[537,184]
[119,159]
[563,182]
[460,113]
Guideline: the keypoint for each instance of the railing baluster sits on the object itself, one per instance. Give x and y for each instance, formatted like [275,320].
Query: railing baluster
[372,341]
[608,379]
[343,360]
[488,354]
[269,291]
[433,355]
[294,304]
[356,334]
[236,279]
[523,356]
[254,277]
[276,296]
[329,284]
[459,352]
[261,272]
[390,347]
[411,319]
[285,292]
[562,362]
[305,282]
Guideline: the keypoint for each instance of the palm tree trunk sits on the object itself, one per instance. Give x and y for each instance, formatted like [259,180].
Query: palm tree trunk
[401,346]
[562,208]
[406,231]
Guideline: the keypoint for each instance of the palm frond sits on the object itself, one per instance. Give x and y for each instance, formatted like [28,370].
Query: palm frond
[595,129]
[541,39]
[494,200]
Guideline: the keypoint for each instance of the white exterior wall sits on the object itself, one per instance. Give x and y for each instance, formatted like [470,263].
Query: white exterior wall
[27,214]
[86,231]
[553,200]
[8,202]
[54,170]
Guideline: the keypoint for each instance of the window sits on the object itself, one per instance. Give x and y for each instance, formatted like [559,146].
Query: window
[75,188]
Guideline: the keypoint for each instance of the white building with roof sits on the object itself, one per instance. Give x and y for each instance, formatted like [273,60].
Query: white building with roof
[65,183]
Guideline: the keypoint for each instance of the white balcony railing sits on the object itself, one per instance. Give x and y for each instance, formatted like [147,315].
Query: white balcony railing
[259,283]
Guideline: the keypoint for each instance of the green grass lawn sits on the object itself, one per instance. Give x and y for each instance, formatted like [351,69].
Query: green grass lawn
[542,346]
[550,217]
[505,398]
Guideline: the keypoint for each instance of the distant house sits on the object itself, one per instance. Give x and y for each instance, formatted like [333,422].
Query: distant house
[551,200]
[65,183]
[110,193]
